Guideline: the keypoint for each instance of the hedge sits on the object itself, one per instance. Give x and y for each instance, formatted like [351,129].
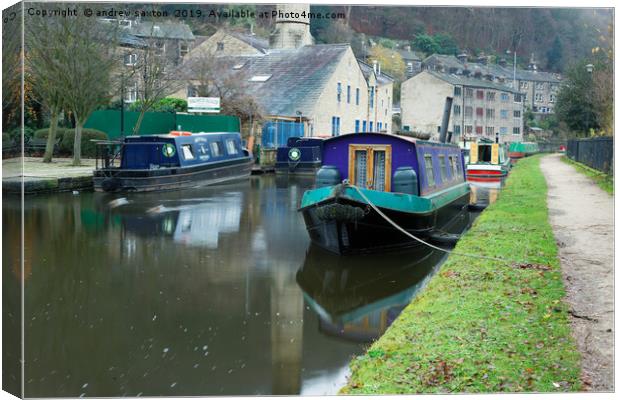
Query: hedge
[67,136]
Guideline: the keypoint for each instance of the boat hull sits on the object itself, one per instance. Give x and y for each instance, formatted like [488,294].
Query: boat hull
[303,168]
[486,171]
[116,180]
[351,232]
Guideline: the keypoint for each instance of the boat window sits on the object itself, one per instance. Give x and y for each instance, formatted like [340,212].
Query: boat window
[370,166]
[428,167]
[442,168]
[231,147]
[484,153]
[188,152]
[216,149]
[202,149]
[455,172]
[361,166]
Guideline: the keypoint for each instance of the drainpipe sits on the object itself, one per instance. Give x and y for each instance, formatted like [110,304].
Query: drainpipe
[446,119]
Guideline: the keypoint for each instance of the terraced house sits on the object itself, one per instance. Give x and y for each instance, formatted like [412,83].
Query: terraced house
[322,87]
[481,108]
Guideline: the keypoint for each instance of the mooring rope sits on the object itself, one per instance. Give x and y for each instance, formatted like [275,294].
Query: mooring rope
[395,225]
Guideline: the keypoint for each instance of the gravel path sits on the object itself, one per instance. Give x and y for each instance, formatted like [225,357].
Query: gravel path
[582,217]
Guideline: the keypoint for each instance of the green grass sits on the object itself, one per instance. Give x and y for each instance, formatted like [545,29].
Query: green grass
[480,325]
[604,181]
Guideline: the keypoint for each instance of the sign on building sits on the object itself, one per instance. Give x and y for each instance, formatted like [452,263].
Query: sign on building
[203,104]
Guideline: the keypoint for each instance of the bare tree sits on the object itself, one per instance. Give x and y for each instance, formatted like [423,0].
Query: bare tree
[11,63]
[226,78]
[155,72]
[82,58]
[44,50]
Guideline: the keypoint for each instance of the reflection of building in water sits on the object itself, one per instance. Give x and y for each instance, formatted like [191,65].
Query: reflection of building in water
[202,226]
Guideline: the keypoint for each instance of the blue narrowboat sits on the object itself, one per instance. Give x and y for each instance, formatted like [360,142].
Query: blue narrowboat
[300,156]
[171,161]
[419,185]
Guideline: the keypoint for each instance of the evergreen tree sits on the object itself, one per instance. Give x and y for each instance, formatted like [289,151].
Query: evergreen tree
[554,55]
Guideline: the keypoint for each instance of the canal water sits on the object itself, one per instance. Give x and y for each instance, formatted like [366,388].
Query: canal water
[213,291]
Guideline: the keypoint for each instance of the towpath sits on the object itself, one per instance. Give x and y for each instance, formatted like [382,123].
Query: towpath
[582,217]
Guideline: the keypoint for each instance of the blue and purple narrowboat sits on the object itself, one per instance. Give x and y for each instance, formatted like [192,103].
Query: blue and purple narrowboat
[300,156]
[420,185]
[177,160]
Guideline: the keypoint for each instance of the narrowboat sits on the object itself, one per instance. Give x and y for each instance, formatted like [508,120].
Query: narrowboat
[487,160]
[518,150]
[419,185]
[300,156]
[176,160]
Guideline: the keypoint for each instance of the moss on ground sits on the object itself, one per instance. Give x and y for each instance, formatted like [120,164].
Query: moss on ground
[480,325]
[604,181]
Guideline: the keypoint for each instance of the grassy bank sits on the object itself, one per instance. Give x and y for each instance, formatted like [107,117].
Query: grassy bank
[480,325]
[604,181]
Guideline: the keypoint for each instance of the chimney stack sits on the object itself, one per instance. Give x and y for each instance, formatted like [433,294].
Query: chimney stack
[462,57]
[374,66]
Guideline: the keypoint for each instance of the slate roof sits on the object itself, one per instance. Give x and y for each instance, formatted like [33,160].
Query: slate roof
[167,30]
[298,77]
[469,81]
[131,41]
[408,55]
[383,78]
[257,42]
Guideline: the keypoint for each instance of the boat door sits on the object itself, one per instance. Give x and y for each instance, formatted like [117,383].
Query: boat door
[370,166]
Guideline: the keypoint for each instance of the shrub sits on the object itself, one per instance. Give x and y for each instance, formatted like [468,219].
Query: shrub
[15,133]
[89,149]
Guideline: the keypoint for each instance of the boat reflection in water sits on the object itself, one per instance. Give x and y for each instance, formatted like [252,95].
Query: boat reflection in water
[358,297]
[485,193]
[192,222]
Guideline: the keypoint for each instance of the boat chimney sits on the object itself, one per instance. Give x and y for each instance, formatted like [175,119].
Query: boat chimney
[496,137]
[446,119]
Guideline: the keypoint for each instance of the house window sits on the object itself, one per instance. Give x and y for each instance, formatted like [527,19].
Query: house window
[348,94]
[335,126]
[457,110]
[480,94]
[131,59]
[370,166]
[469,92]
[410,67]
[160,47]
[503,114]
[231,147]
[552,98]
[457,91]
[357,125]
[523,85]
[370,127]
[516,130]
[517,98]
[216,149]
[183,49]
[539,97]
[479,112]
[457,129]
[188,153]
[540,85]
[372,97]
[503,130]
[339,92]
[489,130]
[385,127]
[490,96]
[468,129]
[468,111]
[478,130]
[407,128]
[220,46]
[363,126]
[131,94]
[428,167]
[504,96]
[517,113]
[490,113]
[357,96]
[379,126]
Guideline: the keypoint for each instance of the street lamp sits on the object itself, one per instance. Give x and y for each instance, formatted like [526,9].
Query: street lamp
[589,68]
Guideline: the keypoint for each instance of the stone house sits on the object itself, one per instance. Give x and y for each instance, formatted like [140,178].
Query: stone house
[173,39]
[480,108]
[538,87]
[413,63]
[322,86]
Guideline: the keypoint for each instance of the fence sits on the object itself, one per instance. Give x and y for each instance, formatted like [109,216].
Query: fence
[276,133]
[551,146]
[153,123]
[597,153]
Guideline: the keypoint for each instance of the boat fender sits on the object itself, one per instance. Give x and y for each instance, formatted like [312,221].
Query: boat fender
[110,184]
[340,212]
